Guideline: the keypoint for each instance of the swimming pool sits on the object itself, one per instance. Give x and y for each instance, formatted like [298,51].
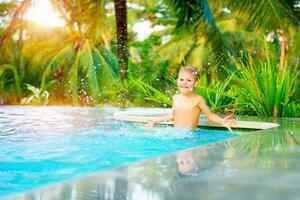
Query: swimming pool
[43,145]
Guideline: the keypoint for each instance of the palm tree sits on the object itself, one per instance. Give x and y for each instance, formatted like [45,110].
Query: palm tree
[267,15]
[79,53]
[84,55]
[11,67]
[197,15]
[273,16]
[121,23]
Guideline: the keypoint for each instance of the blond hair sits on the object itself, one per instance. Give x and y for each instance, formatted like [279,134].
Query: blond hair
[190,69]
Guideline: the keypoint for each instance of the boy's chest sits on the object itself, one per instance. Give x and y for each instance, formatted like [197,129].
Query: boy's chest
[187,105]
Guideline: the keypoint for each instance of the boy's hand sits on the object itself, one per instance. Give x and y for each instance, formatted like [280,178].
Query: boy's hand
[228,122]
[150,123]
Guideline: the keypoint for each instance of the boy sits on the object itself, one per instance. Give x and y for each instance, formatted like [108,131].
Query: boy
[187,106]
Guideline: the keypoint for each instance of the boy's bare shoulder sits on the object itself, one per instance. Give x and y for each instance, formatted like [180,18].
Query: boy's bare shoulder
[200,99]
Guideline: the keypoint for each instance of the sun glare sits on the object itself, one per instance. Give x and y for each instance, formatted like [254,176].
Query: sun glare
[41,12]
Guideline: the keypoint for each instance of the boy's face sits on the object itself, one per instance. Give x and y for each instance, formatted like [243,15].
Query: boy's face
[186,82]
[186,162]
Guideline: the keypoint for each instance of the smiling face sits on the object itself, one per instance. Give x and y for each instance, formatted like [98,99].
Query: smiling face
[186,161]
[186,81]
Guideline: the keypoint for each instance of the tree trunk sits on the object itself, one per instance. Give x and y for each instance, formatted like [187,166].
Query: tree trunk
[121,22]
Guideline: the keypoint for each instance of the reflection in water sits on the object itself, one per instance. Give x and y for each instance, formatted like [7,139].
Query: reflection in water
[187,164]
[120,189]
[291,134]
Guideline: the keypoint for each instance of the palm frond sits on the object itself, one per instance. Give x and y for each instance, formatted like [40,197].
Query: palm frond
[89,68]
[151,93]
[24,5]
[72,79]
[14,70]
[190,12]
[270,14]
[110,59]
[198,15]
[181,45]
[65,54]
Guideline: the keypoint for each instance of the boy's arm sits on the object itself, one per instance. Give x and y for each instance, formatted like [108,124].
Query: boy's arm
[153,120]
[226,122]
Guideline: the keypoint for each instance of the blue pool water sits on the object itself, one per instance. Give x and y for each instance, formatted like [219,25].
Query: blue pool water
[42,145]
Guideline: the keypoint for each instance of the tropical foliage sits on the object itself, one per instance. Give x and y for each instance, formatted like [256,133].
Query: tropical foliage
[98,57]
[264,88]
[38,96]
